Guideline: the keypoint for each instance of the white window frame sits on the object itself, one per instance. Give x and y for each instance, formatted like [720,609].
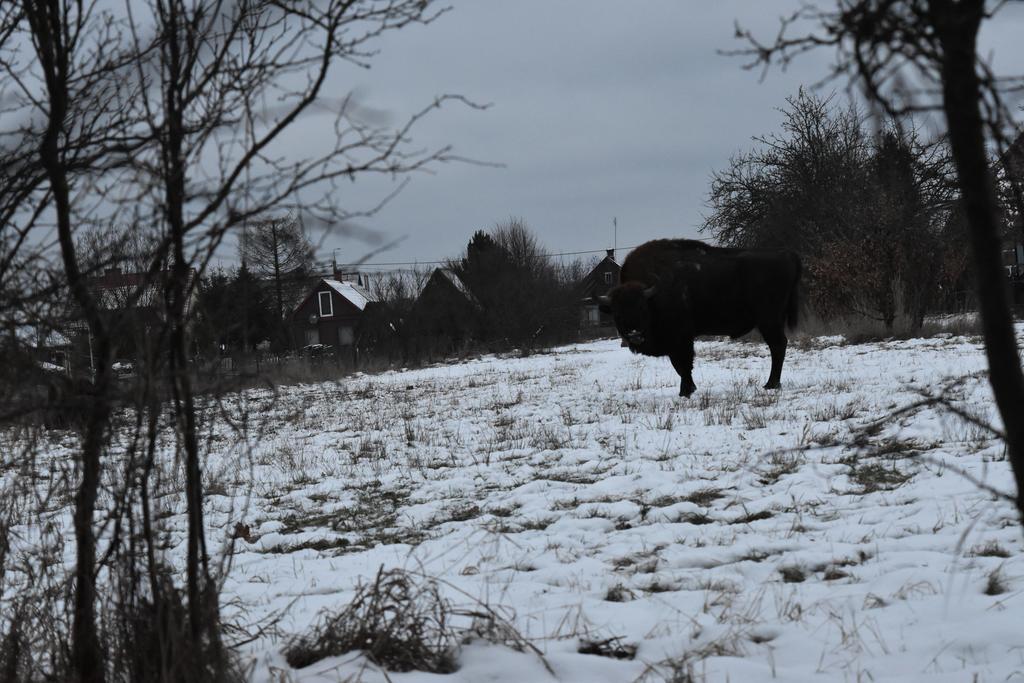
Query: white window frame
[607,277]
[330,304]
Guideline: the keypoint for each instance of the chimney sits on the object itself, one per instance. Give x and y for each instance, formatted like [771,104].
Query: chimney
[611,254]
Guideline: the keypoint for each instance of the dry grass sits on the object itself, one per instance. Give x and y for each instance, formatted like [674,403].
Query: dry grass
[703,496]
[989,549]
[686,667]
[618,593]
[400,623]
[793,574]
[780,464]
[996,582]
[862,330]
[876,476]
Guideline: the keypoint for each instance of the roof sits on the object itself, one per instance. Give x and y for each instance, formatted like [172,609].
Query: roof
[454,280]
[115,289]
[37,337]
[353,293]
[593,279]
[457,282]
[606,260]
[55,339]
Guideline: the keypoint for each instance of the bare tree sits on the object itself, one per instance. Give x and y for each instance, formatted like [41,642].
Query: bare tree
[174,113]
[213,67]
[522,298]
[798,185]
[920,56]
[73,136]
[277,248]
[868,211]
[120,247]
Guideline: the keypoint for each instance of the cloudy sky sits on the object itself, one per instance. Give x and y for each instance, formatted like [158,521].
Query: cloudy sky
[599,110]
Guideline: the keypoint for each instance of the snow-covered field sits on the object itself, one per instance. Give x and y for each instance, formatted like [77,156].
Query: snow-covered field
[737,535]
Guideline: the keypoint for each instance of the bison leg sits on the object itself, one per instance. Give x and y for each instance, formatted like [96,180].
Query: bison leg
[776,340]
[682,361]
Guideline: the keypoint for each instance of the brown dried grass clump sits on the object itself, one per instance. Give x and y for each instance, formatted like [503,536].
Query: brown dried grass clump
[398,622]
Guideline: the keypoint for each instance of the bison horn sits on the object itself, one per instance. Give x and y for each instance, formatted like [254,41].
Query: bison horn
[650,291]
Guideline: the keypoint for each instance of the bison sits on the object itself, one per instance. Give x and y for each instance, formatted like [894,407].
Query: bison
[672,291]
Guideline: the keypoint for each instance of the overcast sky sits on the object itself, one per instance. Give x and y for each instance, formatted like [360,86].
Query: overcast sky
[599,110]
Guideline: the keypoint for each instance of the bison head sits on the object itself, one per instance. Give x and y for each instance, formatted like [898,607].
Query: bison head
[629,305]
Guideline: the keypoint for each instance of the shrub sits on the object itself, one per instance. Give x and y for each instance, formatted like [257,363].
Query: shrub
[400,623]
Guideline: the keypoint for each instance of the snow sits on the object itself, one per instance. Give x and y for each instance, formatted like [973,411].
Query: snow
[736,535]
[51,367]
[355,294]
[33,335]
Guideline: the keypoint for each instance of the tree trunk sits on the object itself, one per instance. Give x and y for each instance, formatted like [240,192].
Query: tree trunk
[202,623]
[957,24]
[277,276]
[46,23]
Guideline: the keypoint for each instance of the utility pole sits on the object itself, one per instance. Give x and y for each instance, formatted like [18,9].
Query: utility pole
[245,278]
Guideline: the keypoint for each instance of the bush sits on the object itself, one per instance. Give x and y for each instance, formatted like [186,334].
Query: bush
[400,624]
[871,212]
[147,637]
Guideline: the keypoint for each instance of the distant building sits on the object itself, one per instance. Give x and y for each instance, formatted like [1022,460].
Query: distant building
[329,314]
[1010,174]
[133,304]
[1013,259]
[444,315]
[50,349]
[445,310]
[600,280]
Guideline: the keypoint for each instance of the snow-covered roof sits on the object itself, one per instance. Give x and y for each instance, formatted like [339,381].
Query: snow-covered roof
[452,278]
[34,336]
[457,282]
[116,290]
[56,339]
[353,293]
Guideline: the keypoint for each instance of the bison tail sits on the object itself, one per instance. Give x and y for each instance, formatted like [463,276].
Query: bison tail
[793,306]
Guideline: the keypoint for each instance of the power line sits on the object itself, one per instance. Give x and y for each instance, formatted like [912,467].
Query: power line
[438,263]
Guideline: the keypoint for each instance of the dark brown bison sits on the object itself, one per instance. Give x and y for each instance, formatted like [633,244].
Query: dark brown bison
[674,290]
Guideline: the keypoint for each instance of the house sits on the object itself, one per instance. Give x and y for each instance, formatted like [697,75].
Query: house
[445,309]
[1013,263]
[53,352]
[48,348]
[141,293]
[598,282]
[1013,259]
[329,314]
[1010,176]
[34,361]
[133,305]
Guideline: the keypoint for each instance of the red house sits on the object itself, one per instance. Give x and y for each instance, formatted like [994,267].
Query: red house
[598,282]
[329,315]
